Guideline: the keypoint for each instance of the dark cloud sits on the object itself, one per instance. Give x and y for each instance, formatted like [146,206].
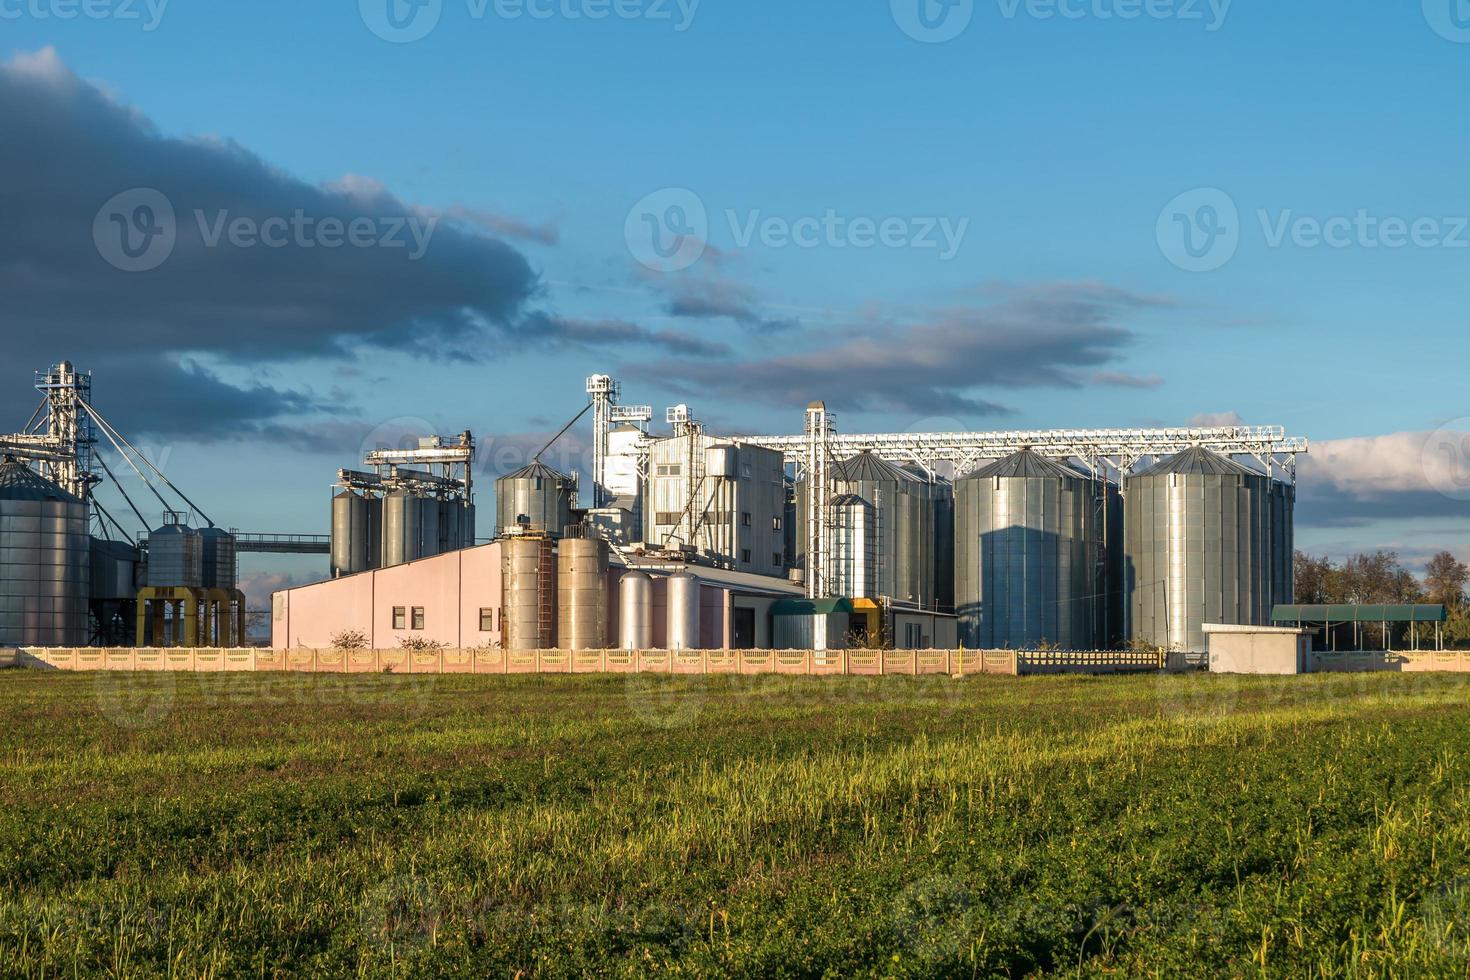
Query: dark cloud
[68,148]
[1033,340]
[556,330]
[710,298]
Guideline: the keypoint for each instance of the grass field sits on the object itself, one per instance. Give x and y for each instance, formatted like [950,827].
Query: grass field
[763,826]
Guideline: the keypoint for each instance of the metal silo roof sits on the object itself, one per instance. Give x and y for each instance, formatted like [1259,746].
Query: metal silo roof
[538,469]
[20,482]
[1199,461]
[1025,463]
[870,468]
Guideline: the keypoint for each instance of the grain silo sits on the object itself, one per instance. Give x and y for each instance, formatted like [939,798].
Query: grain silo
[357,532]
[902,532]
[528,621]
[1030,555]
[582,590]
[175,556]
[682,610]
[635,611]
[45,561]
[218,558]
[1207,540]
[535,498]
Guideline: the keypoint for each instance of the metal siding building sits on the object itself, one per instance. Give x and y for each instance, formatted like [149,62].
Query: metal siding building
[45,561]
[1030,555]
[1207,541]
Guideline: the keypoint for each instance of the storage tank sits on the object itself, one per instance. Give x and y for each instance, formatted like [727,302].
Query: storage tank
[536,497]
[218,558]
[635,611]
[905,533]
[175,557]
[683,611]
[528,621]
[410,528]
[1029,557]
[45,561]
[581,590]
[1201,541]
[357,533]
[114,573]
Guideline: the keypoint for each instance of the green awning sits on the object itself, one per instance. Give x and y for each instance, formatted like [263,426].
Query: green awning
[810,607]
[1360,614]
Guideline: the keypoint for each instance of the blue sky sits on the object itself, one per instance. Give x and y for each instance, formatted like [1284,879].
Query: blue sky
[1057,141]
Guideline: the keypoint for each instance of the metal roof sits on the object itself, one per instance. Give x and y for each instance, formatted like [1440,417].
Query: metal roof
[1373,613]
[540,469]
[810,607]
[1199,461]
[871,468]
[19,482]
[1027,464]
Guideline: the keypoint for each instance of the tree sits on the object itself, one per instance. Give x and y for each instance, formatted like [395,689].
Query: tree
[1445,578]
[1315,579]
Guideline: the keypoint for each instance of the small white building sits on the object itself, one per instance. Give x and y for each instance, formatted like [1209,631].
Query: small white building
[1258,649]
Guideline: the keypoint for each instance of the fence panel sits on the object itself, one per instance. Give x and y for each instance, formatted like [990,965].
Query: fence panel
[689,662]
[722,661]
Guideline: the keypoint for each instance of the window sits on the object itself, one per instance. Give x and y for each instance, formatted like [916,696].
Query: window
[776,558]
[775,524]
[487,620]
[666,518]
[913,635]
[418,617]
[745,556]
[400,618]
[745,520]
[669,469]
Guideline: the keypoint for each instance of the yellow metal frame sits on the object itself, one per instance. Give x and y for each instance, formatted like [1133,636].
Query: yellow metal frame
[209,617]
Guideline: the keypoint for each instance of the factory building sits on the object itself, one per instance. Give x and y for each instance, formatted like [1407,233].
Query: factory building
[721,499]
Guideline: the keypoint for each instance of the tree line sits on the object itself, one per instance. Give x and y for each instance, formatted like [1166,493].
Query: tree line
[1380,577]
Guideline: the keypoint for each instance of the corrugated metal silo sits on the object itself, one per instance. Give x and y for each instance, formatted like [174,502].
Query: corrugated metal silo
[1200,545]
[582,613]
[536,497]
[683,611]
[635,611]
[218,558]
[45,561]
[1029,563]
[529,581]
[175,557]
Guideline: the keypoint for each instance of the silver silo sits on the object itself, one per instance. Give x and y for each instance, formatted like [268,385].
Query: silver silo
[683,611]
[356,530]
[1199,535]
[1283,542]
[410,528]
[175,556]
[905,532]
[635,611]
[528,621]
[1028,555]
[536,498]
[582,613]
[218,558]
[45,561]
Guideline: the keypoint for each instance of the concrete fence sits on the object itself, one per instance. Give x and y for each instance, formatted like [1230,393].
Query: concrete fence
[1402,661]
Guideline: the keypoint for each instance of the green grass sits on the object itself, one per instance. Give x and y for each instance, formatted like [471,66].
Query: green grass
[381,825]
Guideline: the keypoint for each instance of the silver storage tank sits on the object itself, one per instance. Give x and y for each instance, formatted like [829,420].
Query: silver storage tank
[410,528]
[683,611]
[114,570]
[582,613]
[1029,566]
[218,558]
[1198,533]
[635,611]
[536,497]
[45,561]
[175,557]
[853,567]
[528,578]
[905,532]
[355,532]
[1283,543]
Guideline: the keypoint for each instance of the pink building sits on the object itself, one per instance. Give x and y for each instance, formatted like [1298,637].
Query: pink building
[455,600]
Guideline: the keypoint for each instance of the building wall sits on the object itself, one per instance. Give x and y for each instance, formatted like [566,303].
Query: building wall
[1272,652]
[450,588]
[936,632]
